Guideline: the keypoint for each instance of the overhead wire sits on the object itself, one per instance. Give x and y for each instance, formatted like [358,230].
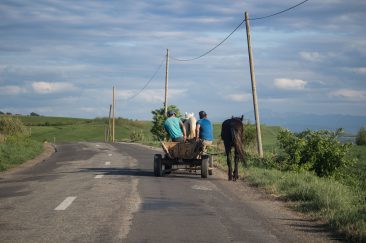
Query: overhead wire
[252,19]
[280,12]
[207,52]
[147,83]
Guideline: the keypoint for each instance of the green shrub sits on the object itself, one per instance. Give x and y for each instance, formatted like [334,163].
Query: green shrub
[249,136]
[318,151]
[137,136]
[10,126]
[361,136]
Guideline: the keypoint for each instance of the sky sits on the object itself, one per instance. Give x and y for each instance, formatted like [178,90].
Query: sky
[62,58]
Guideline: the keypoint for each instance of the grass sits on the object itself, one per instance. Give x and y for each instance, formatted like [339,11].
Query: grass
[322,198]
[16,150]
[60,129]
[341,204]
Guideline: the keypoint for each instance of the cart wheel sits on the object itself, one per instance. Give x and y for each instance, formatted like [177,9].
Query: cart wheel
[210,165]
[158,167]
[204,166]
[168,169]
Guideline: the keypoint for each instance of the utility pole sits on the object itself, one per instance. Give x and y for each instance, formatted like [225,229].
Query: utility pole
[254,89]
[113,112]
[166,83]
[109,135]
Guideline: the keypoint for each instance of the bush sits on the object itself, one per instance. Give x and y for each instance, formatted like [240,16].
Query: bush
[361,136]
[318,151]
[10,126]
[157,129]
[250,135]
[137,136]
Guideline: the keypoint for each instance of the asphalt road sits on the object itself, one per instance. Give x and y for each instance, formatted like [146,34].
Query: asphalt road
[97,192]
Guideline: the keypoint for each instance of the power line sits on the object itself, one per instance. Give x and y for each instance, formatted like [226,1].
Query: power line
[147,83]
[280,12]
[207,52]
[258,18]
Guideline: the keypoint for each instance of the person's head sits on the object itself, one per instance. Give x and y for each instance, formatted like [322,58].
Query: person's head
[171,113]
[202,114]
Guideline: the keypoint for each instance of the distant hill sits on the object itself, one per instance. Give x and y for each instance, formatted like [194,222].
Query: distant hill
[299,122]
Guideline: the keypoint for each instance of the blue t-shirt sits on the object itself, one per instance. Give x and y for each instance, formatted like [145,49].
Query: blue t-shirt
[206,129]
[172,127]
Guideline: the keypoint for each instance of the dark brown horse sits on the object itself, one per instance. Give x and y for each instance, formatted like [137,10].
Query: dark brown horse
[232,135]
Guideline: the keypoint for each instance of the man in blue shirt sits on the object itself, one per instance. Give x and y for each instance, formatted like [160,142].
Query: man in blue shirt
[173,127]
[204,130]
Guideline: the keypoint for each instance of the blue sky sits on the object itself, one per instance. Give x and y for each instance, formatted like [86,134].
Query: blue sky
[61,58]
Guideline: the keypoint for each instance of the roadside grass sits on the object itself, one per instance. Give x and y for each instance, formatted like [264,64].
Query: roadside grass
[15,150]
[342,206]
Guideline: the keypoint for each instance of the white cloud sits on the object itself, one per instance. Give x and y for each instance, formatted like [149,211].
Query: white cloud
[350,94]
[238,97]
[290,84]
[12,90]
[312,56]
[359,70]
[47,87]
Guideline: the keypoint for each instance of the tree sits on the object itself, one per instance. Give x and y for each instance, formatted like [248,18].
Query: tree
[361,136]
[157,129]
[33,114]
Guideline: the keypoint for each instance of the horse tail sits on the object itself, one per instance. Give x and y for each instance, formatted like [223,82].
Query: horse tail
[238,144]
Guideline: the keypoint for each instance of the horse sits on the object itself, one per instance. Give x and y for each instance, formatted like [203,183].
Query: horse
[190,125]
[232,135]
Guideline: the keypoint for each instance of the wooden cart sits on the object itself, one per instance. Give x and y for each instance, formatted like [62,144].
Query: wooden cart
[187,156]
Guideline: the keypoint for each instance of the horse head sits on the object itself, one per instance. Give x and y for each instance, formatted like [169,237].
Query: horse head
[188,115]
[238,118]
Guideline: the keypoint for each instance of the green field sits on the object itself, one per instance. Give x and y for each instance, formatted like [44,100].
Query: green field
[60,129]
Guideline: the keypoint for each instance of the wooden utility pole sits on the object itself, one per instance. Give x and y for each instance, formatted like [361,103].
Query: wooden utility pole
[109,135]
[166,83]
[113,113]
[254,89]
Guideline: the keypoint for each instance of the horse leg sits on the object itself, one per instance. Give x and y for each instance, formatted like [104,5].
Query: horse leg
[236,170]
[228,160]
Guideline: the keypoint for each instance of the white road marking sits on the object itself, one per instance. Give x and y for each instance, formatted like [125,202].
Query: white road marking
[107,163]
[203,188]
[97,145]
[98,176]
[109,155]
[65,204]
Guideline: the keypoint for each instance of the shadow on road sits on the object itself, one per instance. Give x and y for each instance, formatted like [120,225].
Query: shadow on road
[118,171]
[140,172]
